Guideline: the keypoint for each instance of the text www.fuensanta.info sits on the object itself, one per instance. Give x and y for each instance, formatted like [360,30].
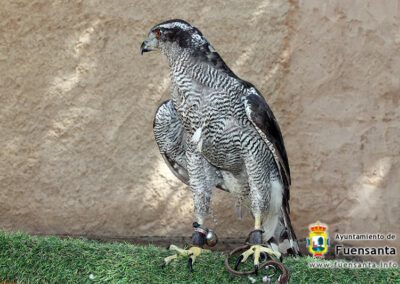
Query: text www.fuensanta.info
[353,264]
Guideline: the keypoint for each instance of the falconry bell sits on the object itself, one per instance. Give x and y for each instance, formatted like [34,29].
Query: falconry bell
[212,238]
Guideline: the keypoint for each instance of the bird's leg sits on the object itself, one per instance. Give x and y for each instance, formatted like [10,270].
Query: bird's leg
[201,182]
[256,248]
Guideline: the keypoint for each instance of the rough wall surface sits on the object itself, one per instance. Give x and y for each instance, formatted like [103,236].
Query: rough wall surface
[77,153]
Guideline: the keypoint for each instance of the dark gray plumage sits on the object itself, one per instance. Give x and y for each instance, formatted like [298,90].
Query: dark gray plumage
[218,131]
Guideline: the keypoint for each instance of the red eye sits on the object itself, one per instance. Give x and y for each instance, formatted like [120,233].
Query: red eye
[157,32]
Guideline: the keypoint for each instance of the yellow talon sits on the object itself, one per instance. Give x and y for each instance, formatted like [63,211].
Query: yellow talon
[256,250]
[270,251]
[192,253]
[168,259]
[182,252]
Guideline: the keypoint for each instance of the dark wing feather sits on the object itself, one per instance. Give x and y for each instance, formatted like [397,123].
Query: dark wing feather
[260,114]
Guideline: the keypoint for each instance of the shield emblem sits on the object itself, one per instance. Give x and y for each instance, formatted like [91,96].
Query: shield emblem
[318,240]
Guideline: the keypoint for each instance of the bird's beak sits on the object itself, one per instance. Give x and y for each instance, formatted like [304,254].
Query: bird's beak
[149,44]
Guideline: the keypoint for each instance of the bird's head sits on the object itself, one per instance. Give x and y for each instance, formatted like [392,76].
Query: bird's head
[173,35]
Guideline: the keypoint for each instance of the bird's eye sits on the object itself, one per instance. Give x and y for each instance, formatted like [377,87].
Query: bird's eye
[157,32]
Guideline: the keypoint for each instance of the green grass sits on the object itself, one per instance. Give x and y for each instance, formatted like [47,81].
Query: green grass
[28,259]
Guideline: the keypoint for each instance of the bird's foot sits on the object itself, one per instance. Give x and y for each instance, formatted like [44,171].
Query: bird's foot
[200,238]
[192,253]
[260,253]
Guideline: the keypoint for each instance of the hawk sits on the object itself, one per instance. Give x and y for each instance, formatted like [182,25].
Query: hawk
[217,131]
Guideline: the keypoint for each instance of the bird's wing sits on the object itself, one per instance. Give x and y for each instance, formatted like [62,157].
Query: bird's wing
[169,134]
[170,137]
[262,118]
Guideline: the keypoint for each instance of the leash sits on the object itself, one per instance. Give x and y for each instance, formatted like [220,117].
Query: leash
[278,266]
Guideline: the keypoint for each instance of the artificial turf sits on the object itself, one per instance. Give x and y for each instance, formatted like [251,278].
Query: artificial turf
[30,259]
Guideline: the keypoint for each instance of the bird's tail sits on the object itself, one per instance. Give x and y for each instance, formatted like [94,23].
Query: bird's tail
[284,237]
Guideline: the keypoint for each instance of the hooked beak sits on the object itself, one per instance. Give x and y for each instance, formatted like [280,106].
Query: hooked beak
[143,48]
[149,44]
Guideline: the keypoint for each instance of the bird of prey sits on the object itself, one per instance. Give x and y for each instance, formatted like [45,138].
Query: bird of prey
[217,131]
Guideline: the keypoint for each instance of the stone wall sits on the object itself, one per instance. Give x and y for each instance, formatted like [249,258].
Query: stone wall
[77,153]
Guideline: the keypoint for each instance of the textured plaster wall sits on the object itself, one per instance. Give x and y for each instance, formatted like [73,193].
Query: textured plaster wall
[77,153]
